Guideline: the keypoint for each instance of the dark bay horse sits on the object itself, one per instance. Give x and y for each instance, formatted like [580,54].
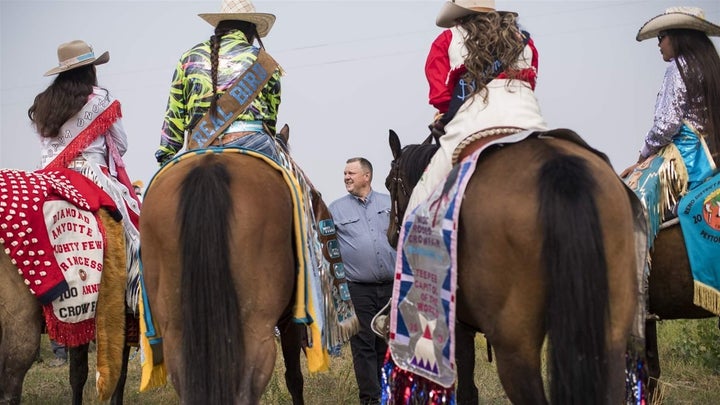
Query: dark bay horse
[670,291]
[546,246]
[220,271]
[21,326]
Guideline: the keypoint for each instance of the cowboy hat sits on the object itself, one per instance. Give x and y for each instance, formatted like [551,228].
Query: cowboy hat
[691,18]
[241,10]
[454,9]
[74,54]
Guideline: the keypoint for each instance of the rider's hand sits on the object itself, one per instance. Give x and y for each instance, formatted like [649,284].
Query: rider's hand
[629,170]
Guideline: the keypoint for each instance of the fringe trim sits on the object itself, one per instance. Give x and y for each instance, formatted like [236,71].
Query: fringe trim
[68,334]
[402,387]
[153,371]
[110,313]
[707,297]
[673,177]
[344,330]
[99,125]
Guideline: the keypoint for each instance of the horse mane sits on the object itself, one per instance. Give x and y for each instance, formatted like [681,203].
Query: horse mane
[415,160]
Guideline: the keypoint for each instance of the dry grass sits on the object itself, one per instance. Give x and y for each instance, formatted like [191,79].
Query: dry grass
[684,380]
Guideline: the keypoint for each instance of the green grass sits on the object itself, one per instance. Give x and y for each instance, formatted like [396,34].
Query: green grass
[689,353]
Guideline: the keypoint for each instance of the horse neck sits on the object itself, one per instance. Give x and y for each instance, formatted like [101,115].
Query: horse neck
[415,160]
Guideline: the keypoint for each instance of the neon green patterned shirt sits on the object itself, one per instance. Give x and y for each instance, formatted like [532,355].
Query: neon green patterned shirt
[191,90]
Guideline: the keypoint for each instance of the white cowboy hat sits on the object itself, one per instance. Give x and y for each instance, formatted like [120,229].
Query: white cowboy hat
[454,9]
[74,54]
[241,10]
[692,18]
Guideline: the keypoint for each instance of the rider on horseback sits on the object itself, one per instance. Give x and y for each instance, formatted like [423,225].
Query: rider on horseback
[686,126]
[482,73]
[80,126]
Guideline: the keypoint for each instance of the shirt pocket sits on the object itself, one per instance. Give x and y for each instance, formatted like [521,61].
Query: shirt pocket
[346,222]
[350,227]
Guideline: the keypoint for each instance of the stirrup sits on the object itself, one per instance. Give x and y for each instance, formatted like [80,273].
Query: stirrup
[380,323]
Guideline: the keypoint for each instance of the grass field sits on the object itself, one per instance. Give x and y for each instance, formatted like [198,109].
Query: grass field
[689,352]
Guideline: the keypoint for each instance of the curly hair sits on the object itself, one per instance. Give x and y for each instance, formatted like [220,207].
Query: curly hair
[494,43]
[702,79]
[67,94]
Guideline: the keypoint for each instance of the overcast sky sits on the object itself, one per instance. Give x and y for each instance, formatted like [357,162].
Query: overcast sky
[354,69]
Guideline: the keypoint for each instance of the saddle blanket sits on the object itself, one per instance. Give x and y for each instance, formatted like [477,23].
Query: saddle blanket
[322,298]
[699,215]
[422,316]
[50,232]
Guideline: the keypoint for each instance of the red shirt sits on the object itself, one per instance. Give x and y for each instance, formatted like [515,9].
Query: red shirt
[442,78]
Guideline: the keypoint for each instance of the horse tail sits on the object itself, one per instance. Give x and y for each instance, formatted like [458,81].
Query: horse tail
[209,301]
[574,261]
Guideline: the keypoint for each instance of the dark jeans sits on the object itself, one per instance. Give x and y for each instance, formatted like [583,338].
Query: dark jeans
[59,350]
[368,350]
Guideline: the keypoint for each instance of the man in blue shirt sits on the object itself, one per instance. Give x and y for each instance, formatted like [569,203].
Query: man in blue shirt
[361,219]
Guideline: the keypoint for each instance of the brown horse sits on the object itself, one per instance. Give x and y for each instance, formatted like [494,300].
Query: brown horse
[670,291]
[21,326]
[220,273]
[546,246]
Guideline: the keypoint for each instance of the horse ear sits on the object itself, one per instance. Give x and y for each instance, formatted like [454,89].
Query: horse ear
[394,144]
[284,133]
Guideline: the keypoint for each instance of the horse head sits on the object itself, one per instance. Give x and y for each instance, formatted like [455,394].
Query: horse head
[406,168]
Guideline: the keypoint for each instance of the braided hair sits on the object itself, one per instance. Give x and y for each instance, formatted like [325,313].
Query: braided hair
[225,27]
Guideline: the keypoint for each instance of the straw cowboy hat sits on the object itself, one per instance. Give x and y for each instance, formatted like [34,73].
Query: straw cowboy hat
[241,10]
[454,9]
[691,18]
[74,54]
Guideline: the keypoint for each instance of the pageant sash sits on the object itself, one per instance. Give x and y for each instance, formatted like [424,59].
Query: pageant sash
[234,102]
[699,214]
[94,119]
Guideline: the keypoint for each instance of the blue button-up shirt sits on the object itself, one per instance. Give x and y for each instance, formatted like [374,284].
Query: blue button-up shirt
[362,236]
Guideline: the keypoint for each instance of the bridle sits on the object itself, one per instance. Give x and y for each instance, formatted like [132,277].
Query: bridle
[397,185]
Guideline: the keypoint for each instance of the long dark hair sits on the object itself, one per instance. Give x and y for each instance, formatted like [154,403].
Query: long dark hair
[62,99]
[225,27]
[702,80]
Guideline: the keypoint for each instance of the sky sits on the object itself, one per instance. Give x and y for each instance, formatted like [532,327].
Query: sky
[354,70]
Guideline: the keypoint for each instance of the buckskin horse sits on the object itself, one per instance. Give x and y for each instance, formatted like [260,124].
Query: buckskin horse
[546,246]
[219,269]
[21,326]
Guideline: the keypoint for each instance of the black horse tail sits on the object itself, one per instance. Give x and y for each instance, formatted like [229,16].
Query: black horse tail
[574,261]
[209,300]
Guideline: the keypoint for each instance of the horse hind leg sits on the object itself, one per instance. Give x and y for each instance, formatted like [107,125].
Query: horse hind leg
[16,358]
[291,343]
[519,372]
[78,371]
[117,397]
[20,326]
[467,392]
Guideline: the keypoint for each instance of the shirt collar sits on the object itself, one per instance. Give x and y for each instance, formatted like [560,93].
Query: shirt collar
[367,200]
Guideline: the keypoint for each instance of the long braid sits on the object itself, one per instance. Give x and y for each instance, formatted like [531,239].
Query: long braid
[225,27]
[214,55]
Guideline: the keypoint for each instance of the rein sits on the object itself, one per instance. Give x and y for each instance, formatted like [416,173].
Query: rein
[397,181]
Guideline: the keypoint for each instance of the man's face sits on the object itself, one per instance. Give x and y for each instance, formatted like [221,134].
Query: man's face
[357,180]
